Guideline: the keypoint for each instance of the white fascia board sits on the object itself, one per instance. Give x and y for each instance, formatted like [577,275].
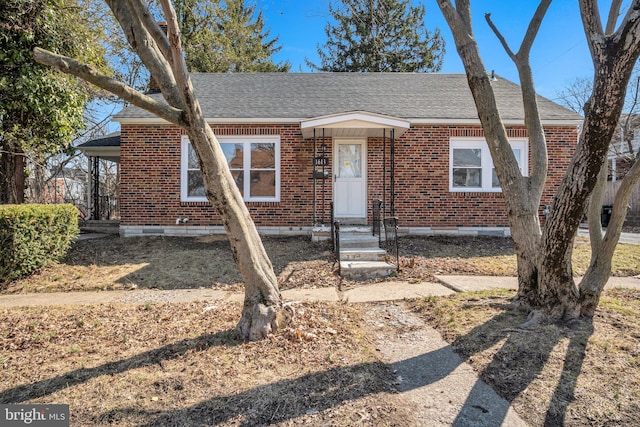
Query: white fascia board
[234,120]
[108,153]
[508,122]
[307,123]
[354,119]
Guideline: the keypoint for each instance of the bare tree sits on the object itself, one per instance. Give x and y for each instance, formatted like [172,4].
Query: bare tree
[162,55]
[545,279]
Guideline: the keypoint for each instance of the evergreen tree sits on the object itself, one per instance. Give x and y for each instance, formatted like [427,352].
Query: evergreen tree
[226,37]
[379,35]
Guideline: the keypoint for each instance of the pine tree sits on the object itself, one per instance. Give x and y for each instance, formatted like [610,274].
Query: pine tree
[226,37]
[379,36]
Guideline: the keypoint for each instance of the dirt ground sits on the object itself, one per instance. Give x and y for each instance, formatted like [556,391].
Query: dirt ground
[112,262]
[584,375]
[157,364]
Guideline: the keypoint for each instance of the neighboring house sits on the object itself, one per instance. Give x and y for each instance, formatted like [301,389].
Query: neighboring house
[622,156]
[298,144]
[625,146]
[67,186]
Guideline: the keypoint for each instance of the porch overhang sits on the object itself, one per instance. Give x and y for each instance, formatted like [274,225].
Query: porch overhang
[354,124]
[106,147]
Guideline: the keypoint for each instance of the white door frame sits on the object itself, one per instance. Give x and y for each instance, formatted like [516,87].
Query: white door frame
[354,205]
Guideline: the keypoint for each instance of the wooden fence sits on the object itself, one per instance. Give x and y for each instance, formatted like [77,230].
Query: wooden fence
[633,215]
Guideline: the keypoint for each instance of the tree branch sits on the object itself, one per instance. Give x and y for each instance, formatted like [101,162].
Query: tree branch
[529,97]
[150,24]
[145,46]
[592,26]
[614,12]
[180,72]
[90,74]
[501,39]
[533,28]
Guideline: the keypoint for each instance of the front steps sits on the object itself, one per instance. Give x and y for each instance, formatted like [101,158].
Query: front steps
[360,256]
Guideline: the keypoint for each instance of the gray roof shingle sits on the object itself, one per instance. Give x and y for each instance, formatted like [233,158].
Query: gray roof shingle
[110,140]
[295,96]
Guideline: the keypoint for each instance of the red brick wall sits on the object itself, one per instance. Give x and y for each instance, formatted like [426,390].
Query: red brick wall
[150,176]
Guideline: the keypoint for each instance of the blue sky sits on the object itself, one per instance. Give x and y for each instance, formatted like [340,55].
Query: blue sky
[558,57]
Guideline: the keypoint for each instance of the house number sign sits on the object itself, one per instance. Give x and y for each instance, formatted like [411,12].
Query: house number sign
[321,161]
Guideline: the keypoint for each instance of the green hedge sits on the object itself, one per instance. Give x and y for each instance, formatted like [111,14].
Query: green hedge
[32,236]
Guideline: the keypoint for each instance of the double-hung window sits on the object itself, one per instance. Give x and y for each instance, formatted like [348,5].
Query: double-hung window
[471,167]
[254,162]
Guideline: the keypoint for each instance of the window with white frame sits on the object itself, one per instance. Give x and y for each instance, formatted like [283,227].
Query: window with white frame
[471,167]
[254,162]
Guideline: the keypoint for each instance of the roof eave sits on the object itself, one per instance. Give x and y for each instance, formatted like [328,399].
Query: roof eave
[299,120]
[107,153]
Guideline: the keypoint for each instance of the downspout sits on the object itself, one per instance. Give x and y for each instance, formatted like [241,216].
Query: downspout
[384,171]
[324,183]
[393,168]
[313,176]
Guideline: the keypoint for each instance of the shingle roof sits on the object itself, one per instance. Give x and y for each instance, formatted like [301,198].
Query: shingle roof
[110,140]
[295,96]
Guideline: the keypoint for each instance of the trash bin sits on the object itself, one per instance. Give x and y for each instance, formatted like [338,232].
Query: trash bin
[605,216]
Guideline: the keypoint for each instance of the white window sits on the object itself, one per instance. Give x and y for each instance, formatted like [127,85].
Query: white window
[254,162]
[471,167]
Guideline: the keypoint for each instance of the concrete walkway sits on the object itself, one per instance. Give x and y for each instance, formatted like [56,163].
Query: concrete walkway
[377,292]
[445,390]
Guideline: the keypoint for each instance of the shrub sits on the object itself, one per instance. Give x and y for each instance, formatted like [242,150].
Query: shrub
[32,236]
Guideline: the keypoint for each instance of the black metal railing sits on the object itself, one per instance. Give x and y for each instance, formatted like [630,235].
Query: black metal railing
[375,217]
[391,239]
[336,242]
[333,240]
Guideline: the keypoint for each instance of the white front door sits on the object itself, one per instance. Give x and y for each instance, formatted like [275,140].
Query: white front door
[350,178]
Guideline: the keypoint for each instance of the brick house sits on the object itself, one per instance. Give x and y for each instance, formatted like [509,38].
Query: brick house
[299,144]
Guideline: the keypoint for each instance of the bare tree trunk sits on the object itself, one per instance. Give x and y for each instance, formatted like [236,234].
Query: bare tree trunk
[544,264]
[262,298]
[164,59]
[599,269]
[11,172]
[526,238]
[521,193]
[594,211]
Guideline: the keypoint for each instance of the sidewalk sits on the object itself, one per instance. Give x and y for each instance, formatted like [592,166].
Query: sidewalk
[378,292]
[445,390]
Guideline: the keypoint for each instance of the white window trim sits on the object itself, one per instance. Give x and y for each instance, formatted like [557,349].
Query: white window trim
[246,139]
[486,162]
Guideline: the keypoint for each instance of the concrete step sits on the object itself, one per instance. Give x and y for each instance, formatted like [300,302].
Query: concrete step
[323,232]
[358,241]
[364,270]
[362,254]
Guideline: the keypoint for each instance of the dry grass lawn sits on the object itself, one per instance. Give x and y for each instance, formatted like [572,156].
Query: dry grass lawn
[205,262]
[180,364]
[587,375]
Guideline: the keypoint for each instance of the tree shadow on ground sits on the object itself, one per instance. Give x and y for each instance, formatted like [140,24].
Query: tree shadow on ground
[522,357]
[514,367]
[164,262]
[152,357]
